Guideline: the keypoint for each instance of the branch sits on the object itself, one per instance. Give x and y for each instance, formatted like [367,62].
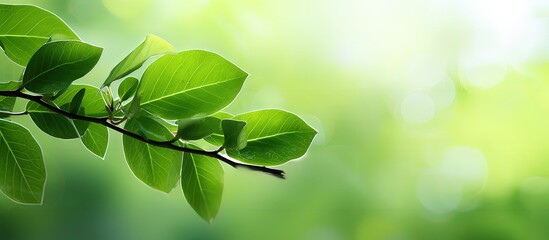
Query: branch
[104,121]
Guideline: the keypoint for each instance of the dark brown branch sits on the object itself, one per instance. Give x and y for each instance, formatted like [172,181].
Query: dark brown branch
[105,122]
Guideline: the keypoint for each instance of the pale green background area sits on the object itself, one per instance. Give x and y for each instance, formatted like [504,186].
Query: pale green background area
[432,120]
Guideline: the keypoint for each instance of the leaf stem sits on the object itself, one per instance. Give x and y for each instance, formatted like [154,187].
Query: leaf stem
[14,113]
[105,122]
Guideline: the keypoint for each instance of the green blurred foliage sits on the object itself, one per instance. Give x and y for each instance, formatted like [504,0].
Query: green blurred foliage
[431,119]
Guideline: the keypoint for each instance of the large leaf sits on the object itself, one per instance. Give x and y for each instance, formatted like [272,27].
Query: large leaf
[157,167]
[274,137]
[152,46]
[24,28]
[192,83]
[57,64]
[202,183]
[96,139]
[22,170]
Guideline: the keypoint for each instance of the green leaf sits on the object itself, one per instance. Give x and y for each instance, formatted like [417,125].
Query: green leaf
[24,28]
[91,102]
[197,128]
[192,83]
[10,86]
[7,103]
[57,64]
[235,133]
[127,88]
[152,46]
[202,184]
[274,137]
[157,167]
[22,170]
[217,138]
[96,139]
[53,124]
[76,102]
[152,127]
[60,126]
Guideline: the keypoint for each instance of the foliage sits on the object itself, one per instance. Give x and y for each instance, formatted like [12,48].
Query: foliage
[169,115]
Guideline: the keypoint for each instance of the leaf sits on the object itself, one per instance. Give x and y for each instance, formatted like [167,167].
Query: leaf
[53,124]
[217,138]
[202,184]
[22,170]
[76,102]
[10,86]
[24,29]
[192,83]
[235,133]
[274,137]
[7,103]
[91,102]
[157,167]
[60,126]
[197,128]
[96,139]
[127,88]
[152,46]
[57,64]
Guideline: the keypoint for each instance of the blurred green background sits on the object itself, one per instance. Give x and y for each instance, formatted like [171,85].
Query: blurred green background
[431,116]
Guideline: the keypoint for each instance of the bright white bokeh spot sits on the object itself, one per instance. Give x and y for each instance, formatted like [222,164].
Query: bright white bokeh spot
[417,108]
[464,163]
[483,73]
[424,72]
[444,93]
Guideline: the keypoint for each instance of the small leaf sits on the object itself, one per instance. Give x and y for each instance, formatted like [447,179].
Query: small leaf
[189,84]
[76,102]
[10,86]
[202,184]
[96,139]
[197,128]
[7,103]
[127,88]
[91,101]
[60,126]
[157,167]
[53,124]
[274,137]
[22,170]
[152,46]
[25,28]
[235,133]
[57,64]
[217,138]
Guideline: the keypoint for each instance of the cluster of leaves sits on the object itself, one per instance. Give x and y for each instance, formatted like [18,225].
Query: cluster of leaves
[170,115]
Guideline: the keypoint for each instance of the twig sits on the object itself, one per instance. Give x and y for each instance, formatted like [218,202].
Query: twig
[105,122]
